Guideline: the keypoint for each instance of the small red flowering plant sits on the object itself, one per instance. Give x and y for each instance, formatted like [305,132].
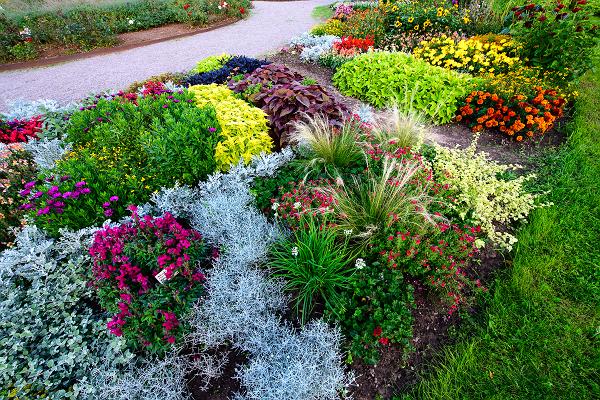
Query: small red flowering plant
[17,131]
[353,44]
[147,273]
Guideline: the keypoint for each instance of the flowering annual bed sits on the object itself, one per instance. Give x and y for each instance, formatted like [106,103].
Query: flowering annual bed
[250,227]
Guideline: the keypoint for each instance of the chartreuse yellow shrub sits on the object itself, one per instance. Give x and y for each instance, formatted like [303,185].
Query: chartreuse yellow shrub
[332,26]
[243,127]
[211,63]
[474,55]
[483,192]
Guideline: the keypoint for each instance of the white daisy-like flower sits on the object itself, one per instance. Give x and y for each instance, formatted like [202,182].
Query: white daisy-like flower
[360,263]
[295,251]
[130,22]
[297,205]
[275,206]
[347,232]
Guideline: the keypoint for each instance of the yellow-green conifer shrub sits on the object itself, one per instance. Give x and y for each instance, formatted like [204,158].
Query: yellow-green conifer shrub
[243,127]
[481,195]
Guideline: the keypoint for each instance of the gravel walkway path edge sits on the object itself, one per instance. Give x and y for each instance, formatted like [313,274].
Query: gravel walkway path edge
[270,26]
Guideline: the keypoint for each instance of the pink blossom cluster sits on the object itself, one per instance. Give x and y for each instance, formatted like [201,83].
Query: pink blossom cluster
[121,264]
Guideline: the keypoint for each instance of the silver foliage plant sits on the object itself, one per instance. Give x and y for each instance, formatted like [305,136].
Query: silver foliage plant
[26,109]
[313,46]
[45,322]
[243,304]
[46,152]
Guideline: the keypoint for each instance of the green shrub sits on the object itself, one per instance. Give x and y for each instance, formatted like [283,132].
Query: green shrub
[382,78]
[130,150]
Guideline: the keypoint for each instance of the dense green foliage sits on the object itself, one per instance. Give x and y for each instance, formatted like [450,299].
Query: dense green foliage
[382,78]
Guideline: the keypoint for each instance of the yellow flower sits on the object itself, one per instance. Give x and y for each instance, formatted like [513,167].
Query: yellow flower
[410,20]
[417,27]
[398,24]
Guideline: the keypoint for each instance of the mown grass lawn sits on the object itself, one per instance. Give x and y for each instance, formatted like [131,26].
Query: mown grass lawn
[538,338]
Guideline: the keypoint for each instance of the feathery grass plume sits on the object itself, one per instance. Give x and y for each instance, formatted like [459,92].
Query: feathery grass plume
[330,149]
[367,205]
[314,266]
[399,127]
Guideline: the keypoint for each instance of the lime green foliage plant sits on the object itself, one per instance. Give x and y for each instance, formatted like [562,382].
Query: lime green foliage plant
[244,127]
[382,78]
[211,63]
[314,265]
[481,195]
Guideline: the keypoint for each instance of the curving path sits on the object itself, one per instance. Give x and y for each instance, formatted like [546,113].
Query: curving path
[270,26]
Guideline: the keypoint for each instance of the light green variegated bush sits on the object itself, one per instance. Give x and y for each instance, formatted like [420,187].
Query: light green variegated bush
[383,78]
[481,195]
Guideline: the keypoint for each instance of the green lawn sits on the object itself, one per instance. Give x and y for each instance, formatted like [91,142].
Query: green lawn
[538,336]
[323,12]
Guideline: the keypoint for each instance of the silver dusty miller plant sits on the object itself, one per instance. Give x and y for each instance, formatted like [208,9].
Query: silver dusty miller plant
[46,152]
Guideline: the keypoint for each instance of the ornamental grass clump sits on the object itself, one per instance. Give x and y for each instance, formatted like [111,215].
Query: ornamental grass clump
[481,196]
[329,149]
[399,128]
[147,273]
[314,266]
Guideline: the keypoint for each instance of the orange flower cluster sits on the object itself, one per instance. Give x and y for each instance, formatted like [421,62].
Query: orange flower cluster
[518,117]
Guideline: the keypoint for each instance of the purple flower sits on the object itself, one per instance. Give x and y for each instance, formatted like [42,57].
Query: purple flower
[59,204]
[212,130]
[85,190]
[24,192]
[105,204]
[30,185]
[56,195]
[27,206]
[176,101]
[64,178]
[108,212]
[43,211]
[52,190]
[37,195]
[132,208]
[80,184]
[66,195]
[114,198]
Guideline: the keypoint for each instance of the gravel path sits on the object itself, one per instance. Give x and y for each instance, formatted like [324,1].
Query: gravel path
[269,27]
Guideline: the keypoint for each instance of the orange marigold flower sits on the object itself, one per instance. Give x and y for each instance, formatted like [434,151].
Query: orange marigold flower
[530,133]
[459,118]
[519,138]
[480,101]
[495,97]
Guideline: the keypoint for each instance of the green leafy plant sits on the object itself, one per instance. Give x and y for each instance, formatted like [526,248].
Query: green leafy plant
[561,39]
[382,78]
[314,266]
[375,310]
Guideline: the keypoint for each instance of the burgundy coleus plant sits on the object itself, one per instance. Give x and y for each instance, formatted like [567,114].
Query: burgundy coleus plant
[147,273]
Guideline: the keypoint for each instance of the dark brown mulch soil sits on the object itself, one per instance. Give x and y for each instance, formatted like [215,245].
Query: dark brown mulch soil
[224,387]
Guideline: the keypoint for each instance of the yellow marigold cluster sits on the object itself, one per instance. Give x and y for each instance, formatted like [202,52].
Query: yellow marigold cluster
[243,127]
[468,55]
[481,196]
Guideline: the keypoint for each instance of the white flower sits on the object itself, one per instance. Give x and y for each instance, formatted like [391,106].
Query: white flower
[130,22]
[220,7]
[297,205]
[360,263]
[25,32]
[295,251]
[224,4]
[275,206]
[347,232]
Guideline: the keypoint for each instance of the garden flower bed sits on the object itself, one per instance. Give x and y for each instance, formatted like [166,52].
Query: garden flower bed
[248,230]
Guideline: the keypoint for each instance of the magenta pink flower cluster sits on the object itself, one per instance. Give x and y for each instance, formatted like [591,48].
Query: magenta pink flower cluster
[121,265]
[49,198]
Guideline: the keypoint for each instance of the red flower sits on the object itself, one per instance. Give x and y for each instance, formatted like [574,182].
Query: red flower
[577,9]
[186,6]
[384,341]
[542,18]
[242,10]
[377,331]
